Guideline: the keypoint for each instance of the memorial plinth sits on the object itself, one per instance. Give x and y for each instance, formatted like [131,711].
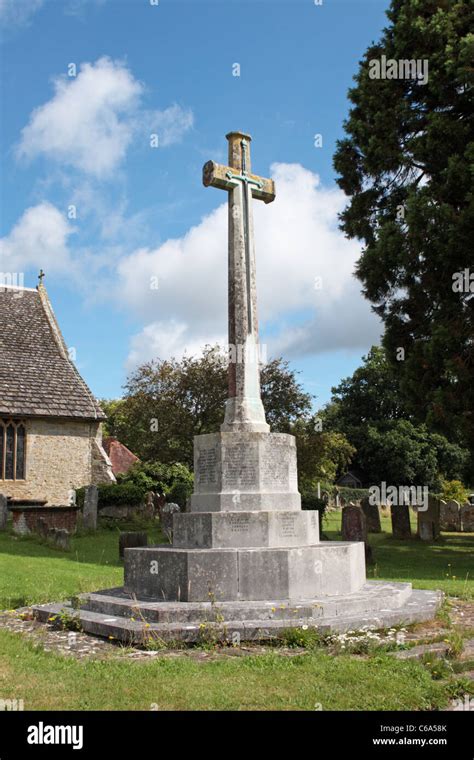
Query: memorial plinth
[245,537]
[245,471]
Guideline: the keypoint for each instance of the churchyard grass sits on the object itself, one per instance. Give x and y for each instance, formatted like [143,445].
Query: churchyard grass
[31,571]
[273,681]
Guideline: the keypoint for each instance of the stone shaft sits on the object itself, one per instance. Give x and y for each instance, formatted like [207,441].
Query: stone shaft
[244,408]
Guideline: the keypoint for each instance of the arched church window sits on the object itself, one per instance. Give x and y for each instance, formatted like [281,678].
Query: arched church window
[12,449]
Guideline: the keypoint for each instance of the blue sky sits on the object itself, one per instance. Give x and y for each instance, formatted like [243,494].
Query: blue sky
[86,197]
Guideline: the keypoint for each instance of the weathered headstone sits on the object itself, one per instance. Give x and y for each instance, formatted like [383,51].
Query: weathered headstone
[131,539]
[354,527]
[428,520]
[91,499]
[400,514]
[3,511]
[372,515]
[60,538]
[467,518]
[167,512]
[42,527]
[353,524]
[149,508]
[450,516]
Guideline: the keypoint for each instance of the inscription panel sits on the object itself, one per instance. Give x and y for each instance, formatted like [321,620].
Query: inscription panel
[239,523]
[207,467]
[287,525]
[240,467]
[274,468]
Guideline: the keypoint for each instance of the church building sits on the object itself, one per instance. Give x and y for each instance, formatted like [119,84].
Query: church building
[50,423]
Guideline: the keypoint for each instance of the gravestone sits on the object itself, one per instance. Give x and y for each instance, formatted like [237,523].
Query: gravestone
[149,508]
[60,537]
[400,514]
[130,539]
[429,520]
[167,513]
[91,499]
[467,518]
[3,511]
[450,516]
[42,527]
[354,528]
[372,515]
[353,524]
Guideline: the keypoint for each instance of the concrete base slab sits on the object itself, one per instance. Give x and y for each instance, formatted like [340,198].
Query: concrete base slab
[115,613]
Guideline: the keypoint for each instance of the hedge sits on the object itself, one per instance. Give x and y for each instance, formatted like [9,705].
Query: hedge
[112,494]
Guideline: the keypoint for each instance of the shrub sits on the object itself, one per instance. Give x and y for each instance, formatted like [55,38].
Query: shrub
[175,481]
[311,501]
[454,489]
[111,494]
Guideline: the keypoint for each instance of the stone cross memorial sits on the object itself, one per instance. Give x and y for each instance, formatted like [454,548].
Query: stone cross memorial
[245,555]
[244,409]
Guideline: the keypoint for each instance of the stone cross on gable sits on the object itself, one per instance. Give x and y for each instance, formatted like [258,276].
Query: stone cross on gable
[244,408]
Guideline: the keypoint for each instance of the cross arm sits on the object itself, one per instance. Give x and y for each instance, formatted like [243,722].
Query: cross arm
[225,177]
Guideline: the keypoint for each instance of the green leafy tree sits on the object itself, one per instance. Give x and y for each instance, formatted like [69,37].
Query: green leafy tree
[321,455]
[407,164]
[368,408]
[401,453]
[454,489]
[371,393]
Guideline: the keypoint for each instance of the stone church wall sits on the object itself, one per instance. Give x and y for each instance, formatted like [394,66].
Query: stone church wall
[60,455]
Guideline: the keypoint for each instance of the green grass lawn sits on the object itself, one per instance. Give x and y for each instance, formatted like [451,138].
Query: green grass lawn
[31,572]
[265,682]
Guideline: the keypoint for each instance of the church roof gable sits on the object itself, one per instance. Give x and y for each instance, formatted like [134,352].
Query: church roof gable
[37,377]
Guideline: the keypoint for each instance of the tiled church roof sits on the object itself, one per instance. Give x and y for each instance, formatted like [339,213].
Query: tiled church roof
[37,376]
[121,457]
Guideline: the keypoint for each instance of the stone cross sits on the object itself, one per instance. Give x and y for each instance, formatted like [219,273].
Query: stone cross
[244,408]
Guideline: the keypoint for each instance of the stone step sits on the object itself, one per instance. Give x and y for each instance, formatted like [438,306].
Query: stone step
[421,608]
[418,607]
[228,530]
[371,598]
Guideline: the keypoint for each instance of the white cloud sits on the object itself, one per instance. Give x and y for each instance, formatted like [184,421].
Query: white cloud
[92,119]
[17,12]
[297,240]
[38,239]
[165,339]
[171,124]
